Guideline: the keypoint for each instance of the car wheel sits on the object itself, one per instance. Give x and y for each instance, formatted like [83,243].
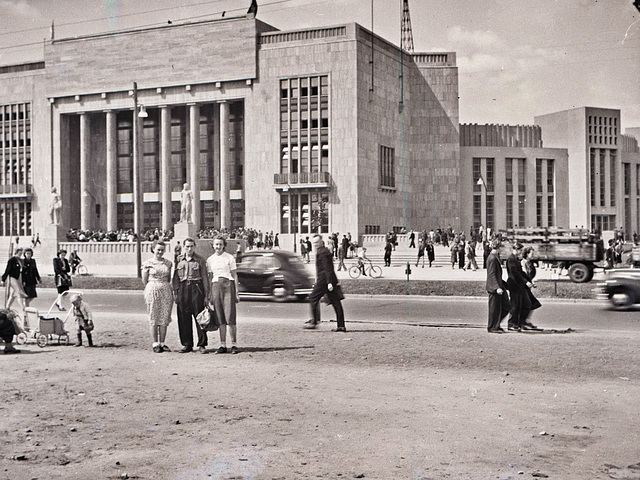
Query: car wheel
[579,273]
[280,293]
[621,300]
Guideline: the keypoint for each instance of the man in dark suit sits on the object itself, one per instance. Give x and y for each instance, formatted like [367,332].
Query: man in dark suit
[518,284]
[499,305]
[326,284]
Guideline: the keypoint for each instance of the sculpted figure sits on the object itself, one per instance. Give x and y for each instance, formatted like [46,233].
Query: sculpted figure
[186,204]
[55,206]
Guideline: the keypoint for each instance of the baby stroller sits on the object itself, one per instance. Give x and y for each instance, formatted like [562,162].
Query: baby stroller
[47,327]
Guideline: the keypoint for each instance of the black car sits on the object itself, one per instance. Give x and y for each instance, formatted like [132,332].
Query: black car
[621,288]
[276,273]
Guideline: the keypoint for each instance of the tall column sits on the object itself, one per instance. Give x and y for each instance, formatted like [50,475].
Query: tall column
[112,176]
[225,203]
[165,167]
[194,160]
[85,194]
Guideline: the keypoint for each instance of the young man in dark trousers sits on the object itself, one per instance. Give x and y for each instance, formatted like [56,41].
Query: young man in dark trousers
[191,289]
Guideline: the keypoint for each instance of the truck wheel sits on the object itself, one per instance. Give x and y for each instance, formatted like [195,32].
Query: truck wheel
[579,273]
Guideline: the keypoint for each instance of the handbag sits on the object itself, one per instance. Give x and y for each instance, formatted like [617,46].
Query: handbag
[207,319]
[64,281]
[335,294]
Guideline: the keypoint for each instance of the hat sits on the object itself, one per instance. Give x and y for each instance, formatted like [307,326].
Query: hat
[518,246]
[75,297]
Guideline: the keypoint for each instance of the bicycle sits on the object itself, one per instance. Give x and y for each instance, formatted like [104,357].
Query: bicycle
[81,269]
[371,270]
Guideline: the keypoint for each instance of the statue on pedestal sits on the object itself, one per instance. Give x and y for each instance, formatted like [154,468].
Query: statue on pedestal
[186,204]
[55,206]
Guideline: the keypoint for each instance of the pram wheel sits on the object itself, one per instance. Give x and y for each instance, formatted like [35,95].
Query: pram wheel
[21,338]
[63,340]
[42,341]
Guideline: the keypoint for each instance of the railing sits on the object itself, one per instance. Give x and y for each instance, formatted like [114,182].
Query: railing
[16,188]
[105,247]
[320,179]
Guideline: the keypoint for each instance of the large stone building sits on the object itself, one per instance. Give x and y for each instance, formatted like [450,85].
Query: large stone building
[329,129]
[510,180]
[604,167]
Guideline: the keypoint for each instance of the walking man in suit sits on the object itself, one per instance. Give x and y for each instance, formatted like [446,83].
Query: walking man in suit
[326,284]
[191,289]
[518,284]
[499,305]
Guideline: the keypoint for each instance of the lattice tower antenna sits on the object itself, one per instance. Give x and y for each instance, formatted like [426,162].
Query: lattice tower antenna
[407,34]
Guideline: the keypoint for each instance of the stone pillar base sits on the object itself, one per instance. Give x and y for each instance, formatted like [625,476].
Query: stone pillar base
[44,253]
[182,230]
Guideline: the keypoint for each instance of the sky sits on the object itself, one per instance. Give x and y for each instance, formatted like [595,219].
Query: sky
[516,58]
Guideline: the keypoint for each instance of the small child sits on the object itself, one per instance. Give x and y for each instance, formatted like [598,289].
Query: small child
[84,319]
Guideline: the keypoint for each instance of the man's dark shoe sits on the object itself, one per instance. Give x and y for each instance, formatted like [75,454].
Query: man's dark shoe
[185,350]
[203,350]
[529,326]
[234,350]
[339,329]
[222,350]
[165,348]
[495,330]
[513,328]
[9,350]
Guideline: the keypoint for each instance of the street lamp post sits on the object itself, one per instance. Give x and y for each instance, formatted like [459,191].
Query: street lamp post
[291,219]
[137,191]
[483,211]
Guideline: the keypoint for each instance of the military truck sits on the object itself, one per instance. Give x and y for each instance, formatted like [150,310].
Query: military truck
[579,251]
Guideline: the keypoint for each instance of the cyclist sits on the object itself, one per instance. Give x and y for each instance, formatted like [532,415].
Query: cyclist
[74,261]
[362,258]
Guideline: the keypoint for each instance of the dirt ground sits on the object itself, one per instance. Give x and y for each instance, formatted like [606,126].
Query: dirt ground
[384,401]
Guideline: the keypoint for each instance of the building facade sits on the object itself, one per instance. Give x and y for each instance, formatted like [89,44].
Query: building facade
[603,175]
[326,129]
[510,180]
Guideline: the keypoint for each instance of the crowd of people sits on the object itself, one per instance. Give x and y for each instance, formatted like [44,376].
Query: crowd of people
[120,235]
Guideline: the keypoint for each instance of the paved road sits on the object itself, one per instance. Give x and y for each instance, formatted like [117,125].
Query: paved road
[425,311]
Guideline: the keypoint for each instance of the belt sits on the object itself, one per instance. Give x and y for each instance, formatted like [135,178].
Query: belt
[193,282]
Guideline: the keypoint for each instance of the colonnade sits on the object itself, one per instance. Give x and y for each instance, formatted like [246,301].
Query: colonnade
[165,197]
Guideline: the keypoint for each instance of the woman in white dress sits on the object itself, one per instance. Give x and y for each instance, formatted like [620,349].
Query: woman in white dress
[14,291]
[158,295]
[223,293]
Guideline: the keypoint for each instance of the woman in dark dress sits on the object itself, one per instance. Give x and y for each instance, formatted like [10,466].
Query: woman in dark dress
[30,275]
[61,270]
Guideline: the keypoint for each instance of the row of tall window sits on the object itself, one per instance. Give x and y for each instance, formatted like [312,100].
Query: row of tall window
[15,217]
[602,177]
[603,222]
[304,212]
[152,213]
[304,153]
[515,187]
[304,125]
[386,167]
[15,169]
[208,141]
